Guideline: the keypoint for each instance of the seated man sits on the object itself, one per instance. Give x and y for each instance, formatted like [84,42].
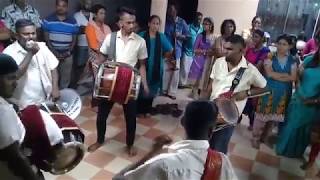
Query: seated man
[186,159]
[13,163]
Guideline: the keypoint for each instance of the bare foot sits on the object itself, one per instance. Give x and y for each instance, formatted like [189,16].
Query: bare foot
[94,147]
[131,150]
[306,166]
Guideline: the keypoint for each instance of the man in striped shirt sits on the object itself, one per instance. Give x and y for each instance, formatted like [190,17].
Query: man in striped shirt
[60,32]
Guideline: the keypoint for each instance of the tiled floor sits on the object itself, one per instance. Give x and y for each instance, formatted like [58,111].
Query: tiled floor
[249,163]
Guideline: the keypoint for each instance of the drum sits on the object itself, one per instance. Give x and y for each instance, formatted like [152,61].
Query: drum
[117,82]
[57,159]
[73,148]
[228,113]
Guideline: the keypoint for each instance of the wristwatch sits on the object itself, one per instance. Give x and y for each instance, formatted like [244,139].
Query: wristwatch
[249,93]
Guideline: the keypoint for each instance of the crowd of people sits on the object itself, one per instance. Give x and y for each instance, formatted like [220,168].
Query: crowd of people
[237,67]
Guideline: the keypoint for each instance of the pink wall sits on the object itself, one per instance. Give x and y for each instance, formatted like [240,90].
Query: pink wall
[241,11]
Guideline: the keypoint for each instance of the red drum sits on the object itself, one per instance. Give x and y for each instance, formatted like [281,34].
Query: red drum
[57,159]
[117,82]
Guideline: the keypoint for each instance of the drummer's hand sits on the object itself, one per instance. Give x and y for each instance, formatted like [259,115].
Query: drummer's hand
[239,96]
[55,94]
[162,140]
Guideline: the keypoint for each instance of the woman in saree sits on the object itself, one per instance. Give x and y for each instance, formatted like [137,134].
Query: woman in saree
[158,46]
[202,60]
[228,28]
[280,72]
[303,111]
[256,54]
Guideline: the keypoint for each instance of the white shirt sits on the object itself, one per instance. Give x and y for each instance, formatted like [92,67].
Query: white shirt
[222,79]
[135,49]
[185,161]
[35,85]
[82,21]
[11,130]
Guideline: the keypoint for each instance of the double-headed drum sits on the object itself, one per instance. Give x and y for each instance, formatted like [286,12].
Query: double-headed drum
[60,158]
[117,82]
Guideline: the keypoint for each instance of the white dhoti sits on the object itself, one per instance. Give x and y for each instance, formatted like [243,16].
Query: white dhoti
[171,79]
[185,65]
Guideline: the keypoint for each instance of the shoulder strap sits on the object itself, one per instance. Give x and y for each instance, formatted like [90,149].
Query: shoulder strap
[212,168]
[236,80]
[112,48]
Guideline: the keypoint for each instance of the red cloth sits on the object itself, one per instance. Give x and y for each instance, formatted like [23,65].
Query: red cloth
[122,85]
[67,124]
[36,137]
[212,169]
[227,95]
[315,149]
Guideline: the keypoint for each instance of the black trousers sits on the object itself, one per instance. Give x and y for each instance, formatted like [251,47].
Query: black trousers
[249,110]
[104,108]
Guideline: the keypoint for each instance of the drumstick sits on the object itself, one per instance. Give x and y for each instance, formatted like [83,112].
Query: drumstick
[261,94]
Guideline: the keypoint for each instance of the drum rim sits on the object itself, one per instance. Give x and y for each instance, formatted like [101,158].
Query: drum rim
[80,151]
[233,104]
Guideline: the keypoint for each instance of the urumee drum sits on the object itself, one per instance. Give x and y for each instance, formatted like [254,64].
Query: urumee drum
[117,82]
[54,159]
[228,110]
[228,113]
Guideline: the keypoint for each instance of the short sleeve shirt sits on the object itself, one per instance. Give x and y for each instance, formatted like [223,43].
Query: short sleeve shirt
[222,79]
[11,128]
[12,13]
[29,89]
[60,32]
[135,49]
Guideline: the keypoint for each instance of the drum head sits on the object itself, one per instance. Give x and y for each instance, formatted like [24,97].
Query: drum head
[227,109]
[70,102]
[68,158]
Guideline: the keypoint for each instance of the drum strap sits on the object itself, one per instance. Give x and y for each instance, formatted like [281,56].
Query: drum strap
[235,83]
[111,51]
[212,168]
[237,78]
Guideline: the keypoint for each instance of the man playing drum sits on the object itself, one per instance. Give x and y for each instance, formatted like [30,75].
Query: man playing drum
[37,83]
[128,48]
[234,77]
[186,159]
[37,75]
[13,163]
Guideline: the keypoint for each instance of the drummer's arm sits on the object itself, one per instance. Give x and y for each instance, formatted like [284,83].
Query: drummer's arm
[17,162]
[55,88]
[142,69]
